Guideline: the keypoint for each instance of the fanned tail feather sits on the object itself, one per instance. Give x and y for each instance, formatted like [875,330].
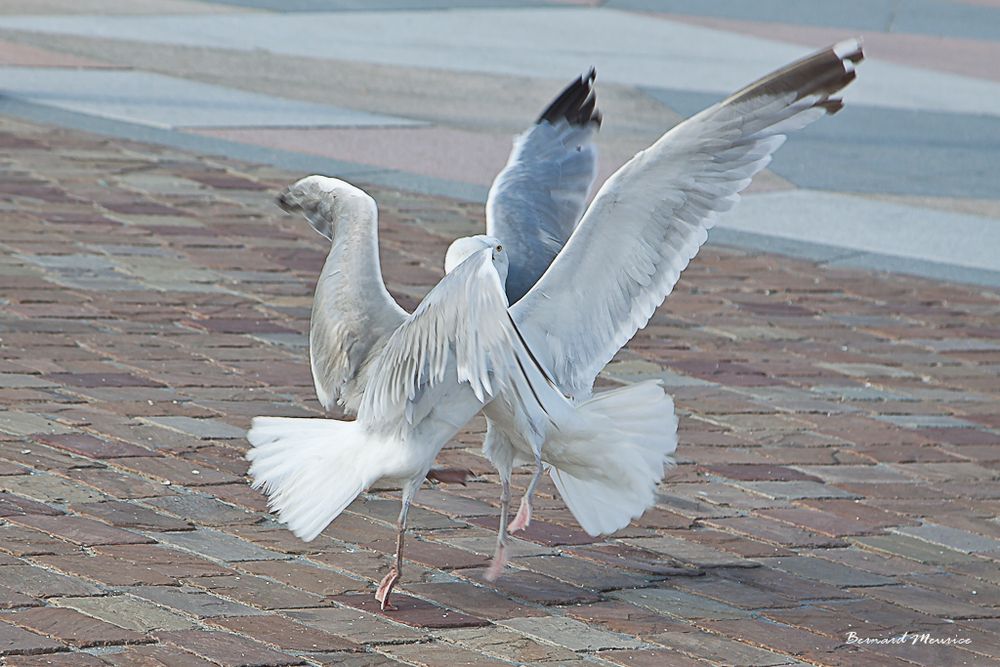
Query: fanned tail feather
[310,469]
[607,473]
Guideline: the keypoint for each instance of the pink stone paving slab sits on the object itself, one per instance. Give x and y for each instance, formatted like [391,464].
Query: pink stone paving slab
[969,57]
[22,55]
[452,154]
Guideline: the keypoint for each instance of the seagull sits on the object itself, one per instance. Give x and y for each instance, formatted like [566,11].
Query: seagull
[415,379]
[580,287]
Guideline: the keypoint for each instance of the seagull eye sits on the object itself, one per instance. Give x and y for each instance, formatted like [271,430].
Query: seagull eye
[499,248]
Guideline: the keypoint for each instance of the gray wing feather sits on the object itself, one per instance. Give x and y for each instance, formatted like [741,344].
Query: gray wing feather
[352,310]
[539,196]
[651,217]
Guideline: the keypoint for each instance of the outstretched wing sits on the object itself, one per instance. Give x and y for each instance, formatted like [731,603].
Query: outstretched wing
[651,217]
[352,310]
[460,333]
[536,201]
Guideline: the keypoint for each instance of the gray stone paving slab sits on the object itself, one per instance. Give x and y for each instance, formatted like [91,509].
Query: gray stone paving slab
[216,544]
[635,50]
[688,551]
[127,611]
[862,474]
[826,571]
[297,162]
[795,490]
[956,19]
[871,226]
[569,633]
[953,538]
[23,423]
[165,101]
[880,150]
[679,604]
[192,600]
[926,421]
[921,268]
[205,429]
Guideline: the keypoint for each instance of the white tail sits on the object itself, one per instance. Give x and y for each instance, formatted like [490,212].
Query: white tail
[608,470]
[311,469]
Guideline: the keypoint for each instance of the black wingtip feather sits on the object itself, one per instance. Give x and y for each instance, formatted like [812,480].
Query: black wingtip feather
[576,104]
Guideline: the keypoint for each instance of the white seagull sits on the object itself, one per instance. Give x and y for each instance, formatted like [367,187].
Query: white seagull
[576,306]
[414,380]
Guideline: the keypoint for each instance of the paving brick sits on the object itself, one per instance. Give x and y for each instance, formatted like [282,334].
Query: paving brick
[826,571]
[306,576]
[41,583]
[508,645]
[72,627]
[130,515]
[68,659]
[651,658]
[441,654]
[103,569]
[191,601]
[719,649]
[257,591]
[532,587]
[127,611]
[155,656]
[79,530]
[216,544]
[16,641]
[11,505]
[202,509]
[199,428]
[689,552]
[412,611]
[929,602]
[952,538]
[356,626]
[226,649]
[165,560]
[471,599]
[679,604]
[285,634]
[46,488]
[570,633]
[83,444]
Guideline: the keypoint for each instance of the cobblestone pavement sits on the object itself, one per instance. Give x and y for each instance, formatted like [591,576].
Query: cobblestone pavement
[838,457]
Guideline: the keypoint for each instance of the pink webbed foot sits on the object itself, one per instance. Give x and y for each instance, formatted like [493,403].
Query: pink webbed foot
[385,588]
[495,569]
[523,518]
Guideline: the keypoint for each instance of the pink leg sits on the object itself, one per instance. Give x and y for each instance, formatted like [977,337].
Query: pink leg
[390,580]
[500,556]
[523,518]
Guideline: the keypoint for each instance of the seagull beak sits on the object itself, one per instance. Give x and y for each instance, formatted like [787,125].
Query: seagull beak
[283,202]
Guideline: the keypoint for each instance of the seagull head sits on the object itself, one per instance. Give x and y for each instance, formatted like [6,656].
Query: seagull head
[463,248]
[324,200]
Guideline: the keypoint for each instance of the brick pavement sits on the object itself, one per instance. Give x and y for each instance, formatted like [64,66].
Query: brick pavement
[838,460]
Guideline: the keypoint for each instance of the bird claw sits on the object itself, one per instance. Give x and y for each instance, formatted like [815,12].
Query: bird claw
[450,475]
[523,518]
[385,588]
